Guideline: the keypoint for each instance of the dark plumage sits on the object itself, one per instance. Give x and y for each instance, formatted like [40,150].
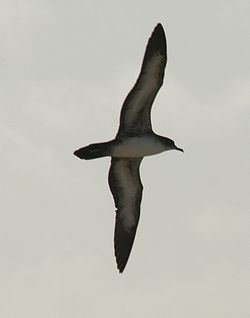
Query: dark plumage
[134,140]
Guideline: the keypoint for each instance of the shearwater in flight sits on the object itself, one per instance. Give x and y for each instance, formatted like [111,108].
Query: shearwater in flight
[134,140]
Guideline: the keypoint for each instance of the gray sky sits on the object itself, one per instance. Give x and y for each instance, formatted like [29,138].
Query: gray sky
[65,69]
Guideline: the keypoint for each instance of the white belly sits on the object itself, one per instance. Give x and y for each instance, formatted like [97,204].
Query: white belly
[137,147]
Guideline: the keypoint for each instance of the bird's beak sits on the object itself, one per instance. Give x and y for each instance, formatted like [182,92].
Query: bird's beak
[179,149]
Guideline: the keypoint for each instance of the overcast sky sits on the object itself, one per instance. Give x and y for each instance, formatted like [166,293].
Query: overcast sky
[65,69]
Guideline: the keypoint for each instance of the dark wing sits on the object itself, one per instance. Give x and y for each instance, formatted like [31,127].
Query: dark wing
[135,113]
[126,188]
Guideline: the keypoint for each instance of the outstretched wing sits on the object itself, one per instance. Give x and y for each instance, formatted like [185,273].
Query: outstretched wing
[135,113]
[126,188]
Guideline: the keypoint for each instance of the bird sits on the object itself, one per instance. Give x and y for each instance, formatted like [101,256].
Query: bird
[134,140]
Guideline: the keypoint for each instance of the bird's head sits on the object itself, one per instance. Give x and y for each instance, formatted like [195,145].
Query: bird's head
[177,148]
[170,144]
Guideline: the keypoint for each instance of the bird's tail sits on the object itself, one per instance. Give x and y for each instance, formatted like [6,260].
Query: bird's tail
[94,151]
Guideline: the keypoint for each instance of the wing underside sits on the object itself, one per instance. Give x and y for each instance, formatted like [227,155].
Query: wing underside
[126,188]
[135,114]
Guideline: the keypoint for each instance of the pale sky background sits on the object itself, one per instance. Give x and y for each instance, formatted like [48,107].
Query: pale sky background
[65,69]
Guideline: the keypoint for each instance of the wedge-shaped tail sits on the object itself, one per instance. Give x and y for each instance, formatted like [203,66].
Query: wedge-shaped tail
[93,151]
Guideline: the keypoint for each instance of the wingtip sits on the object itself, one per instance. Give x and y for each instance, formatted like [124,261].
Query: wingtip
[122,256]
[158,37]
[121,262]
[120,270]
[159,27]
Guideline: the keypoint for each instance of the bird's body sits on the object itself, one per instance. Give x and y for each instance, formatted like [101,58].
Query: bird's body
[139,146]
[135,139]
